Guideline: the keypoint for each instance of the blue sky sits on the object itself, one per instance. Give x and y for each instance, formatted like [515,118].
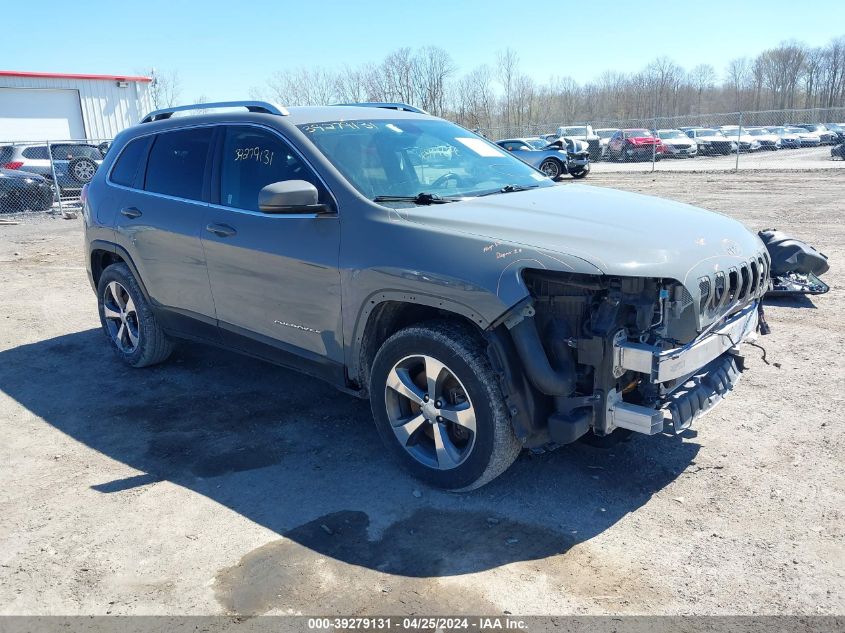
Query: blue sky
[222,49]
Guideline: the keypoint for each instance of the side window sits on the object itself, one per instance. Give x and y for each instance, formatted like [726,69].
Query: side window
[253,158]
[177,163]
[36,153]
[130,158]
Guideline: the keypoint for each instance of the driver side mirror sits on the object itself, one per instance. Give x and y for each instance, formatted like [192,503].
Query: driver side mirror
[291,196]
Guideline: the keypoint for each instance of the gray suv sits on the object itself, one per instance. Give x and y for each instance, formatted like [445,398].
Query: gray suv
[479,307]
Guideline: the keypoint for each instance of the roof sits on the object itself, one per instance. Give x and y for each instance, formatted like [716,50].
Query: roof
[23,73]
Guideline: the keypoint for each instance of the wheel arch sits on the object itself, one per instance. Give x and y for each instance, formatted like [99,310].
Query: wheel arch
[103,254]
[386,313]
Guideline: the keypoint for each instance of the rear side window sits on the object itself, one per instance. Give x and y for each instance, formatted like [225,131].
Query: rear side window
[6,153]
[130,158]
[68,151]
[36,153]
[177,163]
[252,159]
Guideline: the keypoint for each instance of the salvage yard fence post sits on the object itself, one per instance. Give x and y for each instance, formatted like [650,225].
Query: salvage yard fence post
[738,144]
[55,178]
[654,146]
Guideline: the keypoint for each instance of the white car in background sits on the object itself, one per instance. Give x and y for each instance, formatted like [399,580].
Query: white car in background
[808,139]
[767,139]
[745,141]
[711,141]
[604,135]
[788,140]
[677,144]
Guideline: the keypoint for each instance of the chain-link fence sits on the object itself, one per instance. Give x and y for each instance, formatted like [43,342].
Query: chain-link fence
[772,139]
[47,175]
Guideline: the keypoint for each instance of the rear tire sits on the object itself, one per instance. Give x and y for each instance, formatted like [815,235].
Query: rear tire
[128,321]
[450,360]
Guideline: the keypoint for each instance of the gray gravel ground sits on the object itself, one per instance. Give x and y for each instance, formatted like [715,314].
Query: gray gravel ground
[218,484]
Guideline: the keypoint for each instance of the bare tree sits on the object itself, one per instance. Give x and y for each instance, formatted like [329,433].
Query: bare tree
[432,67]
[507,69]
[703,78]
[738,73]
[165,88]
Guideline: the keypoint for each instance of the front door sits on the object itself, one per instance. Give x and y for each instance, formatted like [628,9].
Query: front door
[274,278]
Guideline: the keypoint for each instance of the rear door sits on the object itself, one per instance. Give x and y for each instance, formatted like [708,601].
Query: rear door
[160,220]
[274,277]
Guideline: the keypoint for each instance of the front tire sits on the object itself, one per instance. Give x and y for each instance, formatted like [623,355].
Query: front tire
[438,406]
[552,168]
[581,173]
[128,321]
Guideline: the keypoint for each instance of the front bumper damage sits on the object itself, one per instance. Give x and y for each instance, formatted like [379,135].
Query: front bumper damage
[691,379]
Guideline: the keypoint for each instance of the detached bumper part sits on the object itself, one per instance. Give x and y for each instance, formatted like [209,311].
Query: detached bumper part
[703,391]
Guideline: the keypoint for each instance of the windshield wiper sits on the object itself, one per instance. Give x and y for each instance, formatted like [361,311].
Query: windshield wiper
[420,198]
[508,189]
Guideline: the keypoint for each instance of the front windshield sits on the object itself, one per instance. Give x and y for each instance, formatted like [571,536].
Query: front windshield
[666,134]
[606,133]
[796,130]
[573,131]
[405,157]
[710,133]
[759,132]
[537,143]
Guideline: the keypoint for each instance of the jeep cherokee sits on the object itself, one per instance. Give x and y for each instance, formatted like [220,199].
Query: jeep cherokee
[404,259]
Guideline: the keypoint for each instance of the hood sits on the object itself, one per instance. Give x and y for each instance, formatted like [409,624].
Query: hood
[619,233]
[686,140]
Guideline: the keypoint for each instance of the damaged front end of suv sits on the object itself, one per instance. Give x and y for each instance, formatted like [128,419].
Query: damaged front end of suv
[637,353]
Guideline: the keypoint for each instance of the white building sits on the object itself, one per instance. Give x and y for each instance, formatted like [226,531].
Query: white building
[54,106]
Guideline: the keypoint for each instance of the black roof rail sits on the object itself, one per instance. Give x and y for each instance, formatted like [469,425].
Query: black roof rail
[252,106]
[388,105]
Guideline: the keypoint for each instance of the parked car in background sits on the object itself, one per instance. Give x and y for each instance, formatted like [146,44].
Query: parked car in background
[807,138]
[838,130]
[745,141]
[583,133]
[677,144]
[788,139]
[767,139]
[826,137]
[634,144]
[552,159]
[838,151]
[604,135]
[711,141]
[22,191]
[74,163]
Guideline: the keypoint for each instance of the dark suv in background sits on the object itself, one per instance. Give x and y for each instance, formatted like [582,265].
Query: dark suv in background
[479,307]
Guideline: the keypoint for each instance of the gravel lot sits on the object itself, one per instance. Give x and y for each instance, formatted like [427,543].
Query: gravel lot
[218,484]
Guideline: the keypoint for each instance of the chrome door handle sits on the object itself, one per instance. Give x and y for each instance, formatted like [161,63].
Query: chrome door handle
[221,230]
[131,212]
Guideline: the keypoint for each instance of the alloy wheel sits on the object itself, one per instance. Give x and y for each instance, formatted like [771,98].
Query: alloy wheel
[121,317]
[551,169]
[430,412]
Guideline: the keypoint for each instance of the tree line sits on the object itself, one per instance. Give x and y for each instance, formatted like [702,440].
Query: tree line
[788,76]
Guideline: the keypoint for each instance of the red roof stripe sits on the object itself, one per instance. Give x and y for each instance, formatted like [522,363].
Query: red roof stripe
[19,73]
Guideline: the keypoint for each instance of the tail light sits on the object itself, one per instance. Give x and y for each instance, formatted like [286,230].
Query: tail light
[13,165]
